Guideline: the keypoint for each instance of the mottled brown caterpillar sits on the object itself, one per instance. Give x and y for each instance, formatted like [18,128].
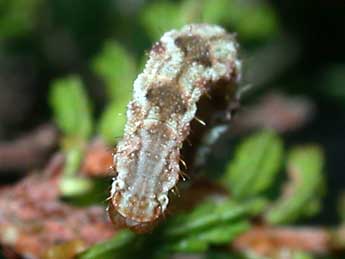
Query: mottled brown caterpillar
[183,67]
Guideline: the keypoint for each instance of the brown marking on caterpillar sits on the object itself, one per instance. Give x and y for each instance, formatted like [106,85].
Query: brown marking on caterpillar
[168,99]
[184,67]
[195,49]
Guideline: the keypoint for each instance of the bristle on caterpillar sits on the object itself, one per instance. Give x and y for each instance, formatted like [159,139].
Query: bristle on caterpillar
[183,67]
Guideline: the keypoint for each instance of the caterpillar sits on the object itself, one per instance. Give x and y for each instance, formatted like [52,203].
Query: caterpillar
[184,67]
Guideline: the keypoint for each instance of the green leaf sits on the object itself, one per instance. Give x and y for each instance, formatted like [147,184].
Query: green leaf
[216,11]
[223,234]
[117,68]
[72,114]
[256,22]
[301,255]
[160,17]
[304,188]
[108,249]
[17,17]
[190,11]
[255,165]
[201,218]
[251,19]
[112,121]
[72,186]
[181,234]
[69,184]
[73,156]
[219,235]
[164,16]
[71,107]
[189,245]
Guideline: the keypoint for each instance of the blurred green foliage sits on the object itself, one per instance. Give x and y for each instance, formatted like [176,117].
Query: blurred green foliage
[17,17]
[191,232]
[110,248]
[258,163]
[301,255]
[118,69]
[200,219]
[72,113]
[115,65]
[216,222]
[112,122]
[304,189]
[250,19]
[255,166]
[71,107]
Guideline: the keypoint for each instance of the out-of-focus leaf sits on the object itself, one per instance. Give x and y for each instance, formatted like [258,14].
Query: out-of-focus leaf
[109,248]
[251,19]
[191,245]
[72,114]
[216,11]
[301,255]
[201,218]
[73,157]
[333,82]
[254,21]
[112,121]
[211,223]
[71,107]
[191,11]
[222,234]
[142,62]
[117,68]
[304,188]
[72,186]
[17,17]
[216,223]
[255,165]
[160,17]
[93,193]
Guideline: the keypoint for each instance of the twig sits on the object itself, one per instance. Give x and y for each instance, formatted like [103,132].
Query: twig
[29,151]
[276,111]
[270,241]
[98,160]
[35,222]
